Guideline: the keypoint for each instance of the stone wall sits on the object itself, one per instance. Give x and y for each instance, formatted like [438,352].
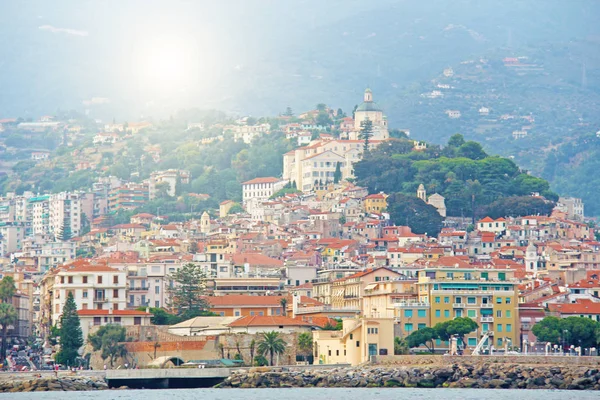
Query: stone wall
[232,341]
[459,375]
[515,359]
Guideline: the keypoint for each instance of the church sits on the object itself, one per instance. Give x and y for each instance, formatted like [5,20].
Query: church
[436,200]
[370,110]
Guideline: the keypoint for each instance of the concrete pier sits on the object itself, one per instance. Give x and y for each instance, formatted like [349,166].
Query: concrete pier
[166,378]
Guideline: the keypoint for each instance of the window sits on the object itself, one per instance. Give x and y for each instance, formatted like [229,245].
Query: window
[450,275]
[115,293]
[438,313]
[446,313]
[408,327]
[99,278]
[337,352]
[118,319]
[358,343]
[437,299]
[62,279]
[472,341]
[97,320]
[408,313]
[260,313]
[508,300]
[421,326]
[85,279]
[84,306]
[508,328]
[498,300]
[157,289]
[351,336]
[156,303]
[471,300]
[499,327]
[472,313]
[116,279]
[458,300]
[236,313]
[446,300]
[70,279]
[508,314]
[252,313]
[137,320]
[499,313]
[85,294]
[422,313]
[115,306]
[458,313]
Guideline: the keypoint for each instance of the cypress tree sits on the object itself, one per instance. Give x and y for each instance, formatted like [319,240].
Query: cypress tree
[71,337]
[337,175]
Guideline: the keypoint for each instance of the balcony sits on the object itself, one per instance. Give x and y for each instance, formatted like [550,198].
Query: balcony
[487,305]
[410,304]
[459,305]
[487,319]
[100,299]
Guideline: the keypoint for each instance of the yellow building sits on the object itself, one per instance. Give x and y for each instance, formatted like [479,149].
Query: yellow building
[348,292]
[359,339]
[224,208]
[376,202]
[488,296]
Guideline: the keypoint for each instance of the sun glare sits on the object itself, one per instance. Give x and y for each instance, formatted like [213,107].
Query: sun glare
[166,65]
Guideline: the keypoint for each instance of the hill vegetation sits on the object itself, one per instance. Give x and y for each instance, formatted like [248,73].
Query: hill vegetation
[472,182]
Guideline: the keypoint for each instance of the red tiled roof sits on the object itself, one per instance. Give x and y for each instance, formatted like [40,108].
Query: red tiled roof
[114,312]
[250,320]
[583,306]
[268,179]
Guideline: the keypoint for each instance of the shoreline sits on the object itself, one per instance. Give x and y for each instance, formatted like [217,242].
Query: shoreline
[484,375]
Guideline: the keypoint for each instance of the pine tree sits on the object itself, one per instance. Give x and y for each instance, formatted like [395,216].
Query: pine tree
[337,175]
[366,133]
[64,234]
[71,337]
[187,293]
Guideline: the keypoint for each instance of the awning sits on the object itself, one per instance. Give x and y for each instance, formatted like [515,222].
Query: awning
[371,286]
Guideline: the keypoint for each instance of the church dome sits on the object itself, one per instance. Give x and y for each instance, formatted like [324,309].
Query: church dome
[369,106]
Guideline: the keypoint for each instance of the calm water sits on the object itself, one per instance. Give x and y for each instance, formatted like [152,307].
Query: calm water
[310,393]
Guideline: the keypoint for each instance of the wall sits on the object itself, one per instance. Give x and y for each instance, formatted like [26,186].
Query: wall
[448,360]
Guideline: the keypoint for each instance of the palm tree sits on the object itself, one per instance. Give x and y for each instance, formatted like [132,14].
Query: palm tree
[271,343]
[7,289]
[283,303]
[305,344]
[8,316]
[252,346]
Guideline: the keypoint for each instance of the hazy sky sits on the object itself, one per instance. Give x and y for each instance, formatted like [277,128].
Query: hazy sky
[151,57]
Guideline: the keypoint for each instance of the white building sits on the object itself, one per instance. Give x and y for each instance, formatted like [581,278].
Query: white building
[11,238]
[261,188]
[65,209]
[454,114]
[572,206]
[94,287]
[369,110]
[90,318]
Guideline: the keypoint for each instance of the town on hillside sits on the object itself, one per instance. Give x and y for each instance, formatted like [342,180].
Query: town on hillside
[314,263]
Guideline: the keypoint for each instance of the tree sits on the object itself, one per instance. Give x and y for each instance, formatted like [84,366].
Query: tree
[288,112]
[235,209]
[423,336]
[8,316]
[472,150]
[458,327]
[337,175]
[366,133]
[456,140]
[64,234]
[576,331]
[7,289]
[400,346]
[283,303]
[161,317]
[109,339]
[252,348]
[321,107]
[189,283]
[414,212]
[323,119]
[305,344]
[71,337]
[271,344]
[260,361]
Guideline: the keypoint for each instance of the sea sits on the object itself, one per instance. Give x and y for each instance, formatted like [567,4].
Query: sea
[310,393]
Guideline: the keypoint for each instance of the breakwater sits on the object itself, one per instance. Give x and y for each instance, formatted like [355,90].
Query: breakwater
[27,382]
[457,375]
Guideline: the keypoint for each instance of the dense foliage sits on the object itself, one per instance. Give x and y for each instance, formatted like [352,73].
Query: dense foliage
[411,211]
[469,180]
[576,331]
[109,340]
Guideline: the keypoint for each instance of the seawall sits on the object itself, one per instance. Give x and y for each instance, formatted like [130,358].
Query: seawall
[481,374]
[49,381]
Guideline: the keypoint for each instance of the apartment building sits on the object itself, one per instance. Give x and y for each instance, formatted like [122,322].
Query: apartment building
[11,237]
[65,210]
[261,188]
[488,296]
[94,287]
